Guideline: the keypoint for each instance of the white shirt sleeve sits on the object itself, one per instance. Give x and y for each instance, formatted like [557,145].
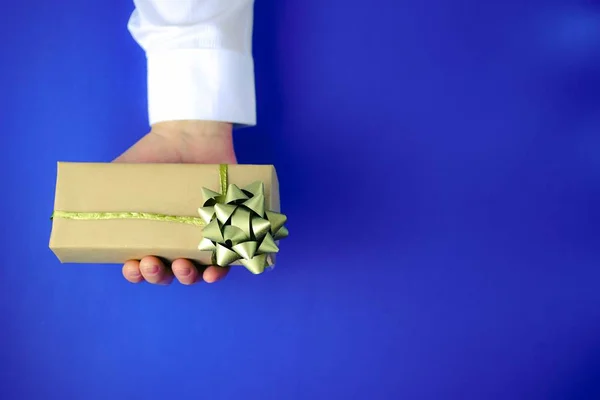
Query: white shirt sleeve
[199,55]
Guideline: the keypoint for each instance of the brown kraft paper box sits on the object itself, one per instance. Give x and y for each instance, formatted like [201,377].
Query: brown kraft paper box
[170,189]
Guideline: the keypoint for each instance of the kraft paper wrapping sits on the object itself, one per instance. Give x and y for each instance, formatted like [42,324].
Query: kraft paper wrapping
[190,191]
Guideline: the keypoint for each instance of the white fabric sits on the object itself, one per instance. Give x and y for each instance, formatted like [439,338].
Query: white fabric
[199,54]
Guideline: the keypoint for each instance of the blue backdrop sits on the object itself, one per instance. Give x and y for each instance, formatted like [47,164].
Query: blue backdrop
[440,165]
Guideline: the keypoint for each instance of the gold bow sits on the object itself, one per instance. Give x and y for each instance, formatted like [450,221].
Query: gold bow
[238,227]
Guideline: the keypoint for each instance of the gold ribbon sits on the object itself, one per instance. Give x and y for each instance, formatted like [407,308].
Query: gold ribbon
[236,224]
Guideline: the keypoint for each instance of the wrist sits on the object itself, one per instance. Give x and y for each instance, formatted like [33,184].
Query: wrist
[194,128]
[198,141]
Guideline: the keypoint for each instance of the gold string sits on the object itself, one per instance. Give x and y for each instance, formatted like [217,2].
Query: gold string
[223,178]
[197,221]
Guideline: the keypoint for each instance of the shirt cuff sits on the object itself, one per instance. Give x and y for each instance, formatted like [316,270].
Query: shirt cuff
[201,84]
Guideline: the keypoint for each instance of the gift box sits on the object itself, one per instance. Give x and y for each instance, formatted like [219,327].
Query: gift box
[211,214]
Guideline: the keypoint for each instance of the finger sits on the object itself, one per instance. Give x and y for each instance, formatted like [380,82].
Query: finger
[154,271]
[131,271]
[213,273]
[185,271]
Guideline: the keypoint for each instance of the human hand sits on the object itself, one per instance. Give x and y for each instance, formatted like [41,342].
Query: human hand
[198,142]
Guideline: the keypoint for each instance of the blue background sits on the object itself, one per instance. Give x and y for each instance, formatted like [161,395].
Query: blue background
[440,165]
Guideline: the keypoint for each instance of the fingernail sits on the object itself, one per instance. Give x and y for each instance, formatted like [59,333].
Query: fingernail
[153,269]
[185,272]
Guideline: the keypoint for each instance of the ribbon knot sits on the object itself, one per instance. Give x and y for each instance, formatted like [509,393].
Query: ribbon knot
[238,227]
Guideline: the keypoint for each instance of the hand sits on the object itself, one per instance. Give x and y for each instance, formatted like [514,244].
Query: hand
[200,142]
